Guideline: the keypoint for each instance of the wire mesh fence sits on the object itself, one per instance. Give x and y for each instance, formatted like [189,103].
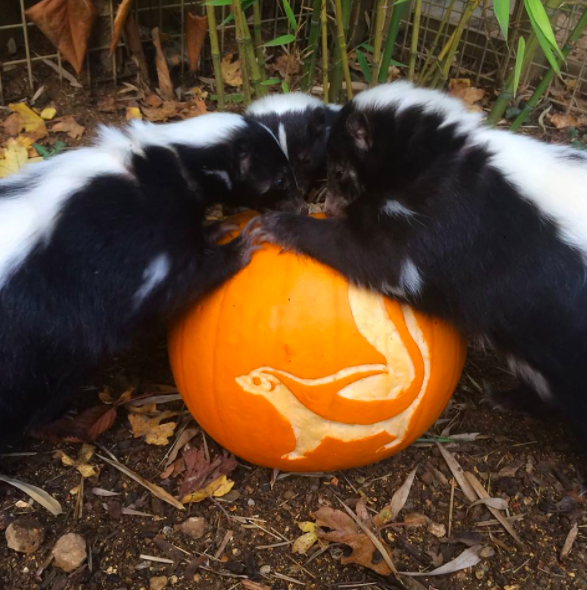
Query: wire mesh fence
[27,57]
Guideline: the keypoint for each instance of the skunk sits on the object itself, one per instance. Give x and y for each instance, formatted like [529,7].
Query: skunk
[301,123]
[484,228]
[99,244]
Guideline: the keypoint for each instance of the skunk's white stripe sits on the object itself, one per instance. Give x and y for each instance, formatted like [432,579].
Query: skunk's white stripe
[396,209]
[153,276]
[410,280]
[280,104]
[283,139]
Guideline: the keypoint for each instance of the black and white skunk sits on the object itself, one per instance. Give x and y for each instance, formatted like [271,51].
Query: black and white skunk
[301,123]
[482,227]
[102,242]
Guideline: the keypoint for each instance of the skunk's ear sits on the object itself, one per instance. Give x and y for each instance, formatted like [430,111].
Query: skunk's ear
[243,157]
[358,127]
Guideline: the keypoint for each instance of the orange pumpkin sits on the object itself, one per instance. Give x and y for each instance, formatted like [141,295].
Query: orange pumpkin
[289,366]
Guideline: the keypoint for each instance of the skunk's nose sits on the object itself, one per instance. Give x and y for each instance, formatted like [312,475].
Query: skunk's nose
[303,209]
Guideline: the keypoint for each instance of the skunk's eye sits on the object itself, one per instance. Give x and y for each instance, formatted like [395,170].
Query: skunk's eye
[338,174]
[279,182]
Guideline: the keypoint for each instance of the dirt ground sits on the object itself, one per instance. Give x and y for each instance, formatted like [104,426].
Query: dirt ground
[533,465]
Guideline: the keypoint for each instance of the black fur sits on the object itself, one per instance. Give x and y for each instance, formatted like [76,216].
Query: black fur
[488,260]
[307,135]
[75,300]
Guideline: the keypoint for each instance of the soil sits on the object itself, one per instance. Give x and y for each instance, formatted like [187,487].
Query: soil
[543,493]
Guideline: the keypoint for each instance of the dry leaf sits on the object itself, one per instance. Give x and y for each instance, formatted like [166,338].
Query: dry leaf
[153,488]
[86,427]
[151,428]
[217,488]
[461,88]
[15,157]
[160,114]
[37,494]
[70,126]
[363,514]
[304,542]
[566,550]
[67,24]
[562,121]
[344,530]
[510,470]
[250,585]
[133,113]
[231,71]
[398,501]
[458,473]
[165,85]
[121,15]
[104,493]
[497,503]
[467,558]
[25,119]
[81,463]
[48,113]
[195,32]
[182,440]
[287,65]
[415,519]
[200,472]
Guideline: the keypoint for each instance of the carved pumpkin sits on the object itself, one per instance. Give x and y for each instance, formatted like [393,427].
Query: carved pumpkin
[289,366]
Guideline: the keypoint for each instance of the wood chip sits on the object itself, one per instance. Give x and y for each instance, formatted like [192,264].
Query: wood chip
[482,493]
[458,473]
[153,488]
[566,550]
[227,539]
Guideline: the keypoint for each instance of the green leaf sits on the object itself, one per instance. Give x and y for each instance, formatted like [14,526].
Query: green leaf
[397,64]
[367,47]
[271,81]
[42,151]
[245,4]
[501,8]
[541,25]
[283,40]
[364,65]
[218,3]
[290,15]
[285,87]
[547,49]
[518,64]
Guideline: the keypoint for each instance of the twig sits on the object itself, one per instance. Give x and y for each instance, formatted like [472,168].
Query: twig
[451,505]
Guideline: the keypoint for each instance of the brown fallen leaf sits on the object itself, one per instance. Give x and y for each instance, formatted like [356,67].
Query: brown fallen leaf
[217,488]
[151,428]
[178,445]
[85,427]
[167,110]
[231,71]
[70,126]
[414,519]
[121,15]
[81,463]
[467,558]
[569,541]
[287,65]
[510,470]
[67,24]
[26,120]
[462,88]
[165,85]
[398,501]
[15,156]
[195,32]
[561,121]
[343,529]
[200,472]
[497,503]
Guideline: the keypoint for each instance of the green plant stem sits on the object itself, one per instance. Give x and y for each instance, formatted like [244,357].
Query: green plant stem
[414,40]
[549,76]
[324,26]
[397,14]
[381,16]
[258,38]
[340,26]
[310,64]
[442,74]
[216,60]
[240,42]
[246,48]
[426,72]
[337,73]
[507,92]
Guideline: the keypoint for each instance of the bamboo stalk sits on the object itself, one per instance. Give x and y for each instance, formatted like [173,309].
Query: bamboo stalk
[392,31]
[337,59]
[343,48]
[507,92]
[324,26]
[216,60]
[549,76]
[414,40]
[425,72]
[380,18]
[310,65]
[470,7]
[258,38]
[242,50]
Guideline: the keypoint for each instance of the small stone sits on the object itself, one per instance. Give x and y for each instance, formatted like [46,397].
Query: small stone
[288,494]
[193,527]
[487,552]
[479,574]
[69,552]
[437,529]
[25,535]
[250,502]
[158,583]
[265,570]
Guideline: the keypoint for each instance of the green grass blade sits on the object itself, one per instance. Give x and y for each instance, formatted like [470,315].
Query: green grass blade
[364,65]
[283,40]
[218,3]
[518,64]
[271,81]
[291,17]
[547,49]
[285,87]
[501,8]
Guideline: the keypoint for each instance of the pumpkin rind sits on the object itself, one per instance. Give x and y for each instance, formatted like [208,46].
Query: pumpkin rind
[287,331]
